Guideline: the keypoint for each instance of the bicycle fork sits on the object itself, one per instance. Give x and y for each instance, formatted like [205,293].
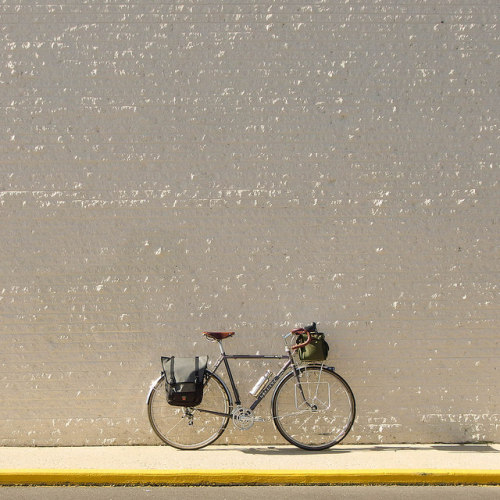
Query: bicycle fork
[313,407]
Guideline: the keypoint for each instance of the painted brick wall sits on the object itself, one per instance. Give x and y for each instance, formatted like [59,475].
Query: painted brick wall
[172,167]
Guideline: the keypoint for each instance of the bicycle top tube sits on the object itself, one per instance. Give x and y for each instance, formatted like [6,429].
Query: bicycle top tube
[256,356]
[224,357]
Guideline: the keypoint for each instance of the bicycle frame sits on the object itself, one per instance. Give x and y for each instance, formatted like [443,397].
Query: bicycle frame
[223,358]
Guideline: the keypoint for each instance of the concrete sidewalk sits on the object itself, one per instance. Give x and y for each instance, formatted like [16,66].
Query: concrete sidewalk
[348,464]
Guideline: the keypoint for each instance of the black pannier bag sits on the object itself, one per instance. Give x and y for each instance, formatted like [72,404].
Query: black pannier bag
[184,379]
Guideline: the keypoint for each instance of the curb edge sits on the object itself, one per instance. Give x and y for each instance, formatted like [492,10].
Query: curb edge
[209,477]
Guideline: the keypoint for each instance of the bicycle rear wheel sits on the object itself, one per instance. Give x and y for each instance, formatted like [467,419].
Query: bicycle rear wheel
[190,428]
[315,411]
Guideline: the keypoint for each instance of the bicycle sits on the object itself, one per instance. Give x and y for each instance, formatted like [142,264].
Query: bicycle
[312,406]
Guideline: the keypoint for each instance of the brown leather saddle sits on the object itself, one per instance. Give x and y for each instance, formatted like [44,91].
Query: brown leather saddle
[218,335]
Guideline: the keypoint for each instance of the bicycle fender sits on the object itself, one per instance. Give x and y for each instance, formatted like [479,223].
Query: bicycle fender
[152,386]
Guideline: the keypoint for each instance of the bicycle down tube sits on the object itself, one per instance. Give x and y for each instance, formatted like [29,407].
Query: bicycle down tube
[224,358]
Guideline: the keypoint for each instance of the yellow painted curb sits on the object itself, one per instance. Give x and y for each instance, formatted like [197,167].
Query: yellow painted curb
[245,477]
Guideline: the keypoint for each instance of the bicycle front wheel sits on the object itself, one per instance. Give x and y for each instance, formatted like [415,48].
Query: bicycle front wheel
[314,410]
[190,428]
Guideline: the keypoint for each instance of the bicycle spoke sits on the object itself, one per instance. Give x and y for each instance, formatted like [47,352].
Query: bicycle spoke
[286,415]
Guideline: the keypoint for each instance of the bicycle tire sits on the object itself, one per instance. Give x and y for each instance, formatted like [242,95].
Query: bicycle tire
[313,428]
[190,428]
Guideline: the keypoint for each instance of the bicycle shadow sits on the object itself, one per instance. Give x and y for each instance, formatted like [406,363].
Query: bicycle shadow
[274,450]
[454,448]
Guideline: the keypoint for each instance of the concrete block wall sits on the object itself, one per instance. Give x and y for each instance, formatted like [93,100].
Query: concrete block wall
[173,167]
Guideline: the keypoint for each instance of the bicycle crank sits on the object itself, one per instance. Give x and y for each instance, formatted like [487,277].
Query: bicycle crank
[243,418]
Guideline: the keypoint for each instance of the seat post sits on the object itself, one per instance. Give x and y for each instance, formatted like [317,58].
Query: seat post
[221,347]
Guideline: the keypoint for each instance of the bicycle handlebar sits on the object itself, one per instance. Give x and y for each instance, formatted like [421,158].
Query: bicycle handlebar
[299,331]
[308,341]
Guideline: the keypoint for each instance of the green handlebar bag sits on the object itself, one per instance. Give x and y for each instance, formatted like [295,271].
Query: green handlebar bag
[317,350]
